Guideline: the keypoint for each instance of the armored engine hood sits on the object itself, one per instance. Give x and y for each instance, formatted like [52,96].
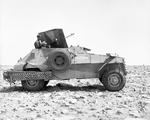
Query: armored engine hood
[37,58]
[43,59]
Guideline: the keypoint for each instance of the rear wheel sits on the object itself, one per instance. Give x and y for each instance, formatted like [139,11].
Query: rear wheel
[33,85]
[113,80]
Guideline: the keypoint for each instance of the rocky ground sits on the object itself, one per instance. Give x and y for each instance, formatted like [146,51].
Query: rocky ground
[78,99]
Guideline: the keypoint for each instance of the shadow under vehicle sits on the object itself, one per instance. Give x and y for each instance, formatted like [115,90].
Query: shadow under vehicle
[52,59]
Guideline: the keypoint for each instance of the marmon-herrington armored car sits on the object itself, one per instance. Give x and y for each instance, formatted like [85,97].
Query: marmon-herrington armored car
[52,59]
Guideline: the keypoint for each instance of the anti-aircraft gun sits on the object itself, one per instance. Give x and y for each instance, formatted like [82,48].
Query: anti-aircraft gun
[53,38]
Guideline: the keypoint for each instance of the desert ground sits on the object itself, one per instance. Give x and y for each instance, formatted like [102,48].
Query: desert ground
[74,99]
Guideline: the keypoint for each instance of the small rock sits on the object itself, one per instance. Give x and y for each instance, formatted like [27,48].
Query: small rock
[118,113]
[72,101]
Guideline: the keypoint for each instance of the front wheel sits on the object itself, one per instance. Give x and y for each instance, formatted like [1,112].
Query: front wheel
[33,85]
[114,80]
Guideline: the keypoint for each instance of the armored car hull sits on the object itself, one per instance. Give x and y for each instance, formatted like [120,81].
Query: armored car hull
[60,62]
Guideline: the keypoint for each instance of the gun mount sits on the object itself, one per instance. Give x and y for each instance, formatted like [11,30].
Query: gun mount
[54,38]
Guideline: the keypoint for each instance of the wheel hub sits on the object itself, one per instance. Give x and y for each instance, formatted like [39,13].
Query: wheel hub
[59,60]
[32,82]
[114,80]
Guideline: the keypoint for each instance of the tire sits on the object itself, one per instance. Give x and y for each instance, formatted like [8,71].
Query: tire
[113,80]
[33,85]
[59,59]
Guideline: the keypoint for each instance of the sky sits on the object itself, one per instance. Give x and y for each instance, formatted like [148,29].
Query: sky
[104,26]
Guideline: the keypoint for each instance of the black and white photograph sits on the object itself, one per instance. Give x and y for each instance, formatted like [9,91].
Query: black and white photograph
[74,59]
